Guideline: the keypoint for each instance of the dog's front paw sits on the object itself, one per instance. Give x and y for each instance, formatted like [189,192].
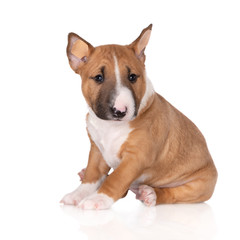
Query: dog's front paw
[73,198]
[96,201]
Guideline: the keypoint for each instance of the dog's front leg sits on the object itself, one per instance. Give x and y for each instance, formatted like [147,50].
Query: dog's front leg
[94,175]
[115,185]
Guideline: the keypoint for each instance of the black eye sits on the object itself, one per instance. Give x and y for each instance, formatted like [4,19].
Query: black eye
[132,78]
[98,78]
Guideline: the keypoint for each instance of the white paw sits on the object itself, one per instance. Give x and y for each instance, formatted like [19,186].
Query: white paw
[74,198]
[84,190]
[147,195]
[97,201]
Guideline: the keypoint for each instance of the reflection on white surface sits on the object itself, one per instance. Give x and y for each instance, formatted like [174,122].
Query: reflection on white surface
[183,221]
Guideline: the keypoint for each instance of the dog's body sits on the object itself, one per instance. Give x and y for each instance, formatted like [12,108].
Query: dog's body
[154,149]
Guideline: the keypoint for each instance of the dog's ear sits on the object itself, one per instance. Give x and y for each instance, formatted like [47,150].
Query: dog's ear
[78,51]
[141,42]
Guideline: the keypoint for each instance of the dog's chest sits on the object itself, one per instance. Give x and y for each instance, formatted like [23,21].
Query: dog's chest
[108,136]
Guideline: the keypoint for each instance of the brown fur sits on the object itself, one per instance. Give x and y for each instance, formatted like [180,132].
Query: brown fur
[164,145]
[91,90]
[176,154]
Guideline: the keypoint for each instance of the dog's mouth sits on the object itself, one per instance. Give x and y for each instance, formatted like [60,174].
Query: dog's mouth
[117,119]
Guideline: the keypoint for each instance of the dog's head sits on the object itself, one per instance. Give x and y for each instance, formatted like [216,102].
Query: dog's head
[114,83]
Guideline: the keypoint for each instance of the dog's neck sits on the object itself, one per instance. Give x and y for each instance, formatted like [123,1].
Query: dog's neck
[147,97]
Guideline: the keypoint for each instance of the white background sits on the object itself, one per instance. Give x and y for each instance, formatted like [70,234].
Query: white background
[193,60]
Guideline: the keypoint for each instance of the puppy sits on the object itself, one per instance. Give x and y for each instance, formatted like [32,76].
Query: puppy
[154,149]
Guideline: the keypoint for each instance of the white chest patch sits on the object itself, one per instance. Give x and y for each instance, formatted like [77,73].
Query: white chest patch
[108,136]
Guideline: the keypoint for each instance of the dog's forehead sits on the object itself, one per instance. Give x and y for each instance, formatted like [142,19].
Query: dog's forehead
[107,55]
[119,50]
[109,52]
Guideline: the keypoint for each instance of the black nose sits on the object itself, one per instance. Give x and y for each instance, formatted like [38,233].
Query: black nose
[118,114]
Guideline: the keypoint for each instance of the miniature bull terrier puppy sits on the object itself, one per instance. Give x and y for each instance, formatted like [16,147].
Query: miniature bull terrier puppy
[154,149]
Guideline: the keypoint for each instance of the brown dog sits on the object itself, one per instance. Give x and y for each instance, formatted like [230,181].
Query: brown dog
[153,148]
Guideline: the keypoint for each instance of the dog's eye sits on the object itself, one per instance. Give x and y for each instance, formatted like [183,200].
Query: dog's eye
[98,78]
[132,78]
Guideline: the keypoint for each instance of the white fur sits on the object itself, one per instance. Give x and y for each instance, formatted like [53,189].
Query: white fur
[147,195]
[97,201]
[117,73]
[108,136]
[84,190]
[124,98]
[149,91]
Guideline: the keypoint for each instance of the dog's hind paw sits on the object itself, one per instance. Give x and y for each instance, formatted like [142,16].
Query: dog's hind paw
[147,195]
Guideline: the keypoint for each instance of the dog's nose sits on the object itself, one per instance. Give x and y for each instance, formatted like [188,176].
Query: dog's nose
[117,113]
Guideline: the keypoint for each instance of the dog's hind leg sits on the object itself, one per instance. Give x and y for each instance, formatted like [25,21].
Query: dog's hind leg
[192,192]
